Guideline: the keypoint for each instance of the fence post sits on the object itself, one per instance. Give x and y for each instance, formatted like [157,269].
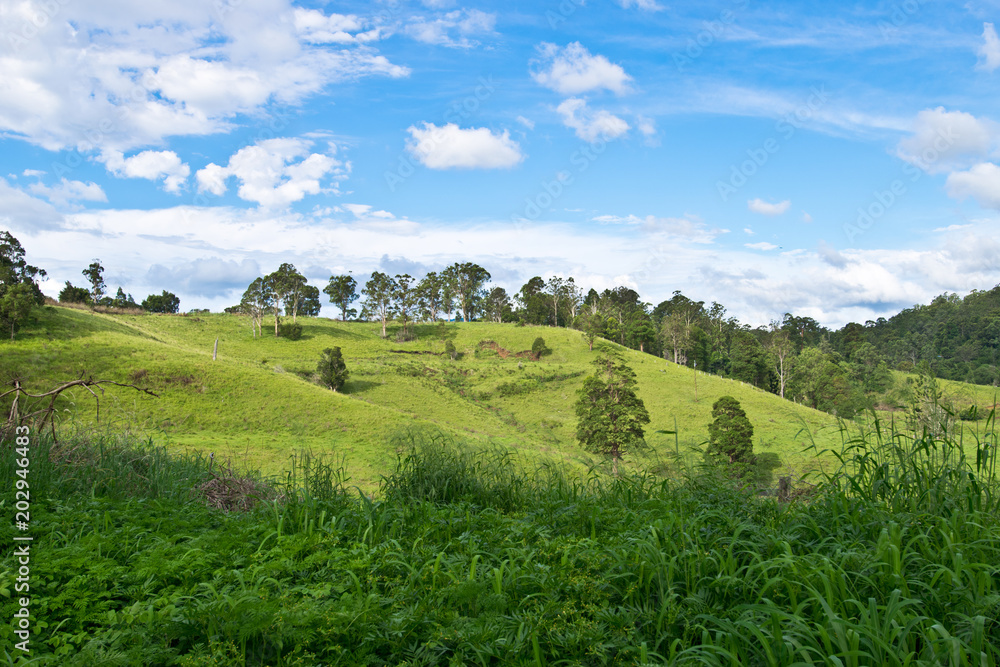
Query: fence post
[784,487]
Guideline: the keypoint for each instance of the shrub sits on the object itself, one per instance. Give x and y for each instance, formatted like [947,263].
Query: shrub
[332,370]
[730,435]
[71,294]
[449,349]
[290,331]
[538,347]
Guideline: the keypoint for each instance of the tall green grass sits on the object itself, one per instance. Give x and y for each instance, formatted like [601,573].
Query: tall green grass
[469,555]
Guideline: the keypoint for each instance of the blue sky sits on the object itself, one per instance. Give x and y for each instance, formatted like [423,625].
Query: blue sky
[826,159]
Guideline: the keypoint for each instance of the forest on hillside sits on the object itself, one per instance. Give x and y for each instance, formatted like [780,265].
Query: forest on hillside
[841,371]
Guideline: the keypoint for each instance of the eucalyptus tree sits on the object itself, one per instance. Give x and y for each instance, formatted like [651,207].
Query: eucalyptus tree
[342,291]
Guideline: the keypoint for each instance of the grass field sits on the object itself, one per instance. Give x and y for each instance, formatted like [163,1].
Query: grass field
[257,402]
[470,556]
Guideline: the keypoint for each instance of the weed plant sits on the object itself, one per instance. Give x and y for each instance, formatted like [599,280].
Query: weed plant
[467,555]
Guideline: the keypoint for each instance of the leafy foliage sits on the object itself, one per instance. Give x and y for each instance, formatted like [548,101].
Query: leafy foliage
[730,435]
[165,302]
[71,294]
[538,347]
[332,369]
[19,291]
[342,291]
[610,415]
[464,557]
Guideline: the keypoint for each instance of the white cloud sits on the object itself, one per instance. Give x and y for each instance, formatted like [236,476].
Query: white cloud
[527,122]
[830,255]
[945,140]
[762,245]
[32,173]
[573,70]
[748,231]
[151,165]
[451,147]
[755,285]
[591,125]
[67,191]
[766,208]
[689,228]
[982,183]
[119,76]
[454,29]
[645,5]
[211,276]
[21,211]
[275,173]
[989,52]
[365,211]
[806,217]
[316,27]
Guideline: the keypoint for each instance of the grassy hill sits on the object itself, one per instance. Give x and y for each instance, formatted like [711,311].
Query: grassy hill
[258,403]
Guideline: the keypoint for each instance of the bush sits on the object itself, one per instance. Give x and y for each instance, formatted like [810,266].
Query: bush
[332,370]
[71,294]
[538,347]
[730,435]
[290,331]
[449,349]
[167,302]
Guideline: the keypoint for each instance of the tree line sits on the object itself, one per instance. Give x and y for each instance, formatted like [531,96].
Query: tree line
[839,371]
[96,295]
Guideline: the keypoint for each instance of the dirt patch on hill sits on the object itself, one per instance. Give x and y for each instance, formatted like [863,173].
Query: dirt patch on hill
[504,353]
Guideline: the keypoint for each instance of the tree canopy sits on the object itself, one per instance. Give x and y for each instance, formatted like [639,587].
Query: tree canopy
[610,415]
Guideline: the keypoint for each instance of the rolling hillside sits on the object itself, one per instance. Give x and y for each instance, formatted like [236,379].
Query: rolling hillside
[257,403]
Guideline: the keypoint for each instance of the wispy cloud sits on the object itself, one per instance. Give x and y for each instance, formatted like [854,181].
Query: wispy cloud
[766,208]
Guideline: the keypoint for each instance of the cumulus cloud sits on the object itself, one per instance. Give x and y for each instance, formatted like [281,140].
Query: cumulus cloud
[454,29]
[21,211]
[766,208]
[830,255]
[588,124]
[945,140]
[275,172]
[66,191]
[982,183]
[989,52]
[573,70]
[163,166]
[451,147]
[316,27]
[212,276]
[120,76]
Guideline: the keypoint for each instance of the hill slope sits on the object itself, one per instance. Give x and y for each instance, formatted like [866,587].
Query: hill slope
[258,404]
